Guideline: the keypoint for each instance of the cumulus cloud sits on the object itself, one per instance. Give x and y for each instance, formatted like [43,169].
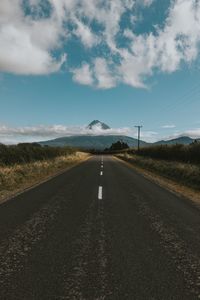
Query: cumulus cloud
[83,75]
[97,74]
[103,75]
[164,50]
[34,33]
[26,43]
[84,32]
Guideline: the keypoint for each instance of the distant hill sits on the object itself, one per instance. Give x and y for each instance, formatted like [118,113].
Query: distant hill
[185,140]
[99,142]
[91,141]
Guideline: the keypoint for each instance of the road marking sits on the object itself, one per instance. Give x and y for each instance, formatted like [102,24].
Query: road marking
[100,193]
[101,174]
[102,166]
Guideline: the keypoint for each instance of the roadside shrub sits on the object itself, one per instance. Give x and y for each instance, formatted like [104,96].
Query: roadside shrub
[184,173]
[26,153]
[182,153]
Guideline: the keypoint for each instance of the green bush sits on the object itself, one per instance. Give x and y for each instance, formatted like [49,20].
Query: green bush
[26,153]
[182,153]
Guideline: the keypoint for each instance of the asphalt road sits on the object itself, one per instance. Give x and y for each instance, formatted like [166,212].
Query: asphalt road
[99,231]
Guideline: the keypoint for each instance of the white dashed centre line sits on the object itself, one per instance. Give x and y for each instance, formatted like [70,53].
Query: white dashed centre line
[101,173]
[100,193]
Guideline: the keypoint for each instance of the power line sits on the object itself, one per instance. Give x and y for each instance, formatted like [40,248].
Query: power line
[185,97]
[181,101]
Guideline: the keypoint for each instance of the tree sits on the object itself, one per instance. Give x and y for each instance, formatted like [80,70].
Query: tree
[119,145]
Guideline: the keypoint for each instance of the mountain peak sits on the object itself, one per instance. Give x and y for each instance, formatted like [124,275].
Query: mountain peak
[97,123]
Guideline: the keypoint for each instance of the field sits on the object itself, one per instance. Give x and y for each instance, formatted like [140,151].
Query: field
[178,162]
[26,153]
[25,165]
[178,153]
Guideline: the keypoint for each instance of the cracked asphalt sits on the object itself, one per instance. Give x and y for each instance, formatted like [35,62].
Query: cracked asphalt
[99,231]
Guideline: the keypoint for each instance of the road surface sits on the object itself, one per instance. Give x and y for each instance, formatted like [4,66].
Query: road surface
[99,231]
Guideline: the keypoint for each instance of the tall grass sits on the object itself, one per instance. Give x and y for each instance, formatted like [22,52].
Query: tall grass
[181,153]
[26,153]
[184,173]
[19,176]
[24,165]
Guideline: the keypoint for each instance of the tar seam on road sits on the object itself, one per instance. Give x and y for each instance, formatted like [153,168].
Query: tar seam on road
[100,193]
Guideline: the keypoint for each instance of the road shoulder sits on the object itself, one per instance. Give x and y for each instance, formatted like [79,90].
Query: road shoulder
[4,197]
[172,186]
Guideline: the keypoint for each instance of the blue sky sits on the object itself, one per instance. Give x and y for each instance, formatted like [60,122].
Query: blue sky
[125,63]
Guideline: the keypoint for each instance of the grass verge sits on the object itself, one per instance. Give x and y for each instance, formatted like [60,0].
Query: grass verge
[16,178]
[181,178]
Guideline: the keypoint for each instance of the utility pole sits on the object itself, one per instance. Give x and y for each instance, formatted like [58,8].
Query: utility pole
[139,128]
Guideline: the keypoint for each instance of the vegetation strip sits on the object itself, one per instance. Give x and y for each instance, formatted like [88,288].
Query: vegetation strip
[176,153]
[19,177]
[186,174]
[168,182]
[30,152]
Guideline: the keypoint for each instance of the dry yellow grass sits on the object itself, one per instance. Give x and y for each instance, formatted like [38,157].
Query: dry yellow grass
[16,178]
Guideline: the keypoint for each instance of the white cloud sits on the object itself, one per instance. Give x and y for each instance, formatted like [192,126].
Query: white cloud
[176,42]
[146,2]
[179,39]
[168,126]
[97,72]
[10,135]
[193,133]
[103,75]
[38,133]
[83,75]
[23,57]
[26,44]
[29,41]
[82,31]
[147,136]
